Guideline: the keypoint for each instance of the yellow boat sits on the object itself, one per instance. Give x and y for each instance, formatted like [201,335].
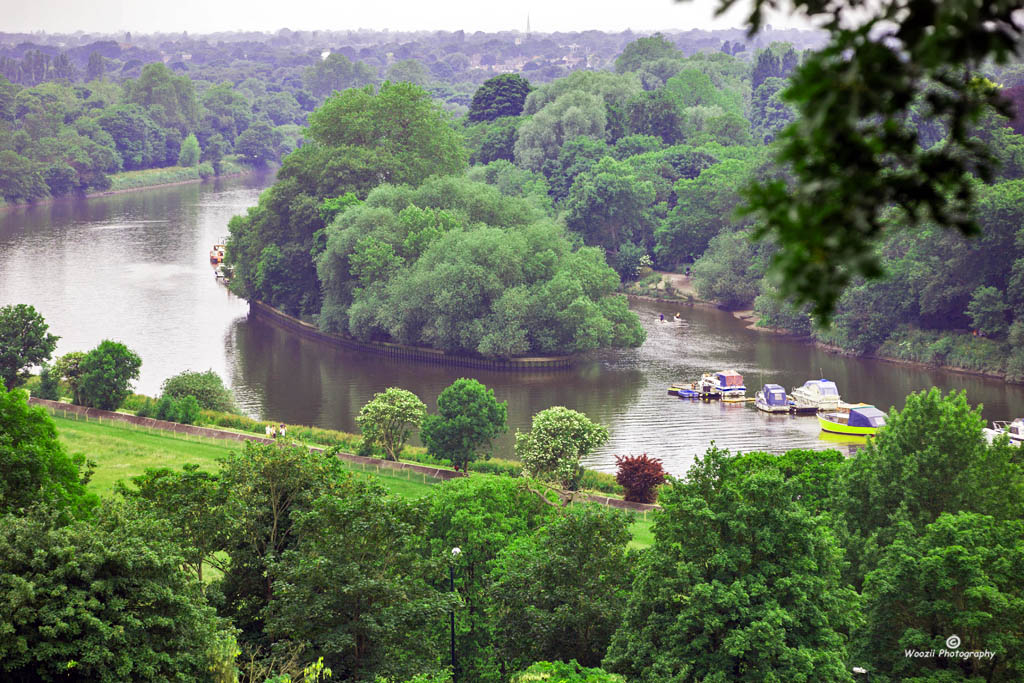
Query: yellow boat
[862,420]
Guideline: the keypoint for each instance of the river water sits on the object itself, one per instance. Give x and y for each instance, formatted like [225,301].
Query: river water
[134,267]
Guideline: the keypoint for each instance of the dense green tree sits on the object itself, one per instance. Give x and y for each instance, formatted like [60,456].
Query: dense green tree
[769,113]
[388,419]
[608,204]
[468,418]
[140,141]
[207,387]
[355,588]
[21,179]
[259,144]
[869,312]
[491,291]
[280,107]
[566,672]
[558,439]
[358,140]
[559,593]
[930,458]
[742,583]
[167,409]
[480,516]
[613,89]
[193,503]
[643,50]
[728,272]
[573,114]
[336,73]
[492,141]
[408,71]
[169,99]
[988,311]
[851,155]
[34,467]
[189,154]
[224,111]
[188,410]
[49,384]
[959,576]
[705,207]
[266,486]
[407,133]
[499,96]
[69,369]
[576,156]
[655,113]
[24,341]
[104,601]
[106,374]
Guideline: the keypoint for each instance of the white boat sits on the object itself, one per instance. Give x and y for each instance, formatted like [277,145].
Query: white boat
[1014,430]
[772,399]
[726,384]
[815,395]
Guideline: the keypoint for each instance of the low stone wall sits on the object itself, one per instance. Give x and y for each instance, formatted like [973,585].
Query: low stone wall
[66,409]
[418,353]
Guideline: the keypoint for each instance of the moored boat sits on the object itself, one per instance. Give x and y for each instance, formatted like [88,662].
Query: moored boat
[728,384]
[217,253]
[772,399]
[815,395]
[855,420]
[1014,430]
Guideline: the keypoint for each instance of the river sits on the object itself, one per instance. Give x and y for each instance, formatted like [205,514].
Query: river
[134,267]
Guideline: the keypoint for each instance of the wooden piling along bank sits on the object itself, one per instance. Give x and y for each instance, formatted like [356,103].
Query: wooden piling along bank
[418,353]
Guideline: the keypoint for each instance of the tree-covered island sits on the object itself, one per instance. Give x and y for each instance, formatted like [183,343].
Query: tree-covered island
[375,230]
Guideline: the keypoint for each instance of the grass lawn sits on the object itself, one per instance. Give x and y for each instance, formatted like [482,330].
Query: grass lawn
[121,451]
[641,530]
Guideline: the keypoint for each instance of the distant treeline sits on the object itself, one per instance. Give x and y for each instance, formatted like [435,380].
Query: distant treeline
[58,138]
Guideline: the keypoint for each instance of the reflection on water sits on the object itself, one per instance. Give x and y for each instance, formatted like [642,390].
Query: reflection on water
[134,267]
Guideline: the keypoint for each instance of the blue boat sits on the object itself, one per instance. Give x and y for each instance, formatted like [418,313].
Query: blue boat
[772,399]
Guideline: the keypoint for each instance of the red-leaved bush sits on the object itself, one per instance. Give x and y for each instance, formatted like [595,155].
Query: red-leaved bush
[640,476]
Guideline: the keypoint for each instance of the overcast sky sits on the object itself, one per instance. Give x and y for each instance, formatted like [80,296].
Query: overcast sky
[207,16]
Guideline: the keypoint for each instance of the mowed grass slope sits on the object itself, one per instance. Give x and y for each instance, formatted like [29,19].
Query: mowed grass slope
[122,451]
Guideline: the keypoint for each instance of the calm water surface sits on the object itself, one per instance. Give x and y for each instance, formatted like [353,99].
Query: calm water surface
[134,267]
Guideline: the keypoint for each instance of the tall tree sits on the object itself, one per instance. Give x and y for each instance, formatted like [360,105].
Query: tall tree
[558,439]
[104,601]
[930,458]
[502,95]
[559,593]
[742,583]
[468,417]
[106,374]
[356,589]
[24,342]
[388,419]
[34,467]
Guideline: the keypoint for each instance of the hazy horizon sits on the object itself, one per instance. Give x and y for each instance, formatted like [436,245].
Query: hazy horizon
[193,16]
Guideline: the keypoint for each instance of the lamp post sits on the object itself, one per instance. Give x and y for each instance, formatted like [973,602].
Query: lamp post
[451,587]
